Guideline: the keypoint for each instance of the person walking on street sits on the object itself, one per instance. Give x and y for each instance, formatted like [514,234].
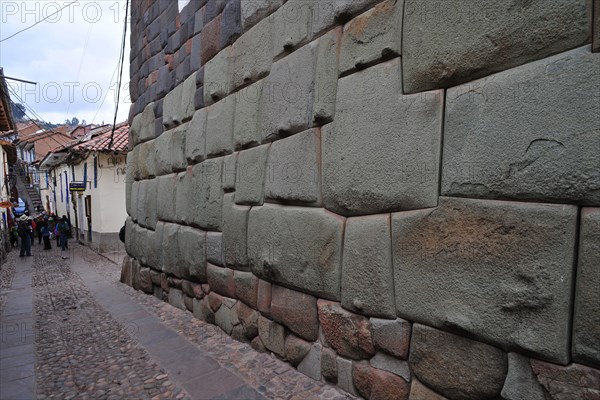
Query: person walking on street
[63,231]
[45,231]
[25,235]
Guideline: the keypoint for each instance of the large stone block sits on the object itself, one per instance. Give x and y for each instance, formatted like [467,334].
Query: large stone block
[188,93]
[371,36]
[521,383]
[381,152]
[217,76]
[293,171]
[192,253]
[143,126]
[326,77]
[195,143]
[146,161]
[251,55]
[214,248]
[586,322]
[219,127]
[220,280]
[564,383]
[327,13]
[296,349]
[497,143]
[311,365]
[391,336]
[172,113]
[166,197]
[375,384]
[205,203]
[183,197]
[135,209]
[305,256]
[235,226]
[149,190]
[448,43]
[367,264]
[246,287]
[251,174]
[246,125]
[457,367]
[499,270]
[297,311]
[229,172]
[170,253]
[254,11]
[169,150]
[272,335]
[210,38]
[391,364]
[291,26]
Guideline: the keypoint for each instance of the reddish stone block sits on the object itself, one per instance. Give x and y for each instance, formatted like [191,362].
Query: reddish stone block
[349,334]
[571,382]
[296,349]
[264,297]
[374,383]
[220,280]
[249,320]
[210,38]
[246,287]
[297,311]
[215,301]
[418,391]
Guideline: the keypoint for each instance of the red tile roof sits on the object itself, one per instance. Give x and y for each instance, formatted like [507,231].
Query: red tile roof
[100,139]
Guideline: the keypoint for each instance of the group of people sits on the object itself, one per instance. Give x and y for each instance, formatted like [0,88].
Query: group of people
[45,227]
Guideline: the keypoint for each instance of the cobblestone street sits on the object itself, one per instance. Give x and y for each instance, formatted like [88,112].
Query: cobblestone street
[71,330]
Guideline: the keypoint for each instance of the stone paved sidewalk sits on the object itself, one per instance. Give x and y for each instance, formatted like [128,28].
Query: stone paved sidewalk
[96,338]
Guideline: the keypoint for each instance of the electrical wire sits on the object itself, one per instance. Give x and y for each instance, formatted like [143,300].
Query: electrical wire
[122,61]
[40,21]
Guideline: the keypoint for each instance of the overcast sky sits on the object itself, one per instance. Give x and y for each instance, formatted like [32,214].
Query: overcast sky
[72,56]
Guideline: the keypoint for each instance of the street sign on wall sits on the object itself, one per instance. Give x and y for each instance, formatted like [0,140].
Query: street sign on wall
[77,186]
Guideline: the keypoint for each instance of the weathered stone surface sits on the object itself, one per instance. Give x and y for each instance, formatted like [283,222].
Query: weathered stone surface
[550,156]
[246,287]
[146,125]
[217,76]
[418,391]
[220,280]
[297,311]
[231,22]
[149,188]
[251,56]
[254,11]
[457,367]
[445,44]
[202,311]
[145,280]
[146,154]
[264,297]
[206,201]
[172,113]
[192,254]
[521,383]
[226,319]
[362,172]
[229,172]
[272,335]
[246,124]
[371,36]
[367,264]
[391,336]
[345,381]
[170,150]
[258,345]
[249,319]
[304,256]
[215,301]
[296,349]
[235,227]
[176,298]
[499,270]
[170,254]
[311,365]
[134,131]
[293,174]
[166,197]
[374,383]
[291,26]
[183,214]
[326,14]
[391,364]
[348,334]
[210,38]
[135,209]
[219,127]
[195,144]
[586,323]
[214,248]
[326,77]
[251,174]
[571,382]
[287,91]
[329,365]
[188,92]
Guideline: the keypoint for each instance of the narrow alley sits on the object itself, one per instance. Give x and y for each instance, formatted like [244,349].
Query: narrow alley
[69,329]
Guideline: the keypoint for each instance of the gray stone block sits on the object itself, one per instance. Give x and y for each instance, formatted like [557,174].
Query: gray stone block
[521,383]
[254,11]
[217,76]
[229,172]
[391,364]
[167,197]
[219,127]
[246,125]
[235,226]
[176,299]
[246,287]
[391,336]
[143,125]
[149,188]
[287,94]
[293,174]
[170,254]
[252,54]
[291,26]
[344,379]
[305,256]
[195,143]
[448,43]
[231,23]
[381,152]
[192,253]
[251,174]
[367,264]
[220,281]
[498,143]
[146,154]
[501,271]
[188,92]
[169,150]
[205,203]
[327,13]
[295,310]
[134,131]
[214,247]
[311,365]
[272,335]
[586,322]
[371,36]
[326,77]
[172,114]
[182,197]
[135,188]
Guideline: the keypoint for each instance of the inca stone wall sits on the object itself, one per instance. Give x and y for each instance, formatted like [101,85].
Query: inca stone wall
[398,197]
